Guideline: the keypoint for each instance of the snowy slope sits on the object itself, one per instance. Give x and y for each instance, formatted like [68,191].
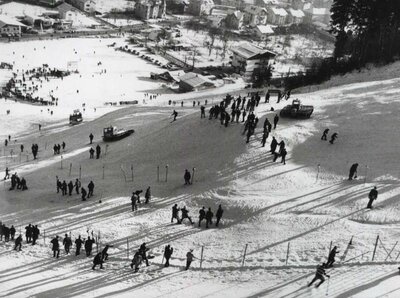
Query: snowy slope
[267,205]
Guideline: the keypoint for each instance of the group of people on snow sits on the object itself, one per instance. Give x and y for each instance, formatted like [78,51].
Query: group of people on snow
[16,182]
[57,148]
[68,188]
[204,214]
[135,198]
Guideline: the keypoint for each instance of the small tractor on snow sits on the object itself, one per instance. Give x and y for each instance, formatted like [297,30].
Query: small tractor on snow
[297,110]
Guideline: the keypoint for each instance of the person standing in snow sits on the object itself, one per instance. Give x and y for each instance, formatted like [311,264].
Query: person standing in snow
[89,246]
[373,195]
[134,199]
[91,138]
[219,215]
[98,151]
[104,252]
[325,134]
[78,244]
[175,114]
[202,215]
[90,188]
[55,247]
[175,211]
[319,275]
[283,155]
[70,187]
[276,119]
[353,171]
[203,112]
[189,259]
[91,153]
[147,195]
[83,193]
[67,243]
[77,186]
[209,216]
[185,214]
[98,260]
[12,231]
[331,257]
[333,138]
[274,144]
[264,138]
[168,251]
[187,177]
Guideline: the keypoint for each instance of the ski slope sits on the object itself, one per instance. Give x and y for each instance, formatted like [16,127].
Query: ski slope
[267,205]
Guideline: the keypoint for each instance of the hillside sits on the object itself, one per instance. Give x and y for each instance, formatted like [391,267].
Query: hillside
[267,205]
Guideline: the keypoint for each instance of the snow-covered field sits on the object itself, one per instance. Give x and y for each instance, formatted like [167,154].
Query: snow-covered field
[267,205]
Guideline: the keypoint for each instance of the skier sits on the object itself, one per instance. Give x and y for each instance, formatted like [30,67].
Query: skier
[189,258]
[209,216]
[175,114]
[202,215]
[331,257]
[67,243]
[274,144]
[325,134]
[276,119]
[98,260]
[90,188]
[185,214]
[83,193]
[18,243]
[353,171]
[219,213]
[373,195]
[175,211]
[78,244]
[187,177]
[98,151]
[319,275]
[147,195]
[333,137]
[167,254]
[55,247]
[91,138]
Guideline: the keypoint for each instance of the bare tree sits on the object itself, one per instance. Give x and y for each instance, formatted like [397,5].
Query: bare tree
[226,37]
[212,34]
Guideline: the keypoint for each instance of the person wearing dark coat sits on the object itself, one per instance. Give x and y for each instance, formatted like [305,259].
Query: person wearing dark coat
[147,195]
[202,215]
[219,213]
[333,138]
[104,252]
[91,138]
[23,184]
[168,251]
[143,252]
[18,243]
[325,134]
[319,275]
[55,247]
[78,245]
[283,155]
[70,187]
[372,196]
[274,144]
[98,260]
[209,216]
[91,153]
[64,188]
[203,112]
[185,214]
[187,177]
[276,119]
[175,114]
[58,184]
[353,171]
[175,211]
[90,188]
[189,259]
[89,246]
[98,151]
[67,242]
[77,186]
[83,193]
[28,233]
[331,257]
[282,146]
[264,138]
[35,234]
[12,232]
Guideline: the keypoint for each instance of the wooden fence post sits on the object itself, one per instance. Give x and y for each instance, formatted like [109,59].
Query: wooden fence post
[158,173]
[201,257]
[132,172]
[287,254]
[44,236]
[127,248]
[166,173]
[366,173]
[61,162]
[103,171]
[70,169]
[80,172]
[376,244]
[244,254]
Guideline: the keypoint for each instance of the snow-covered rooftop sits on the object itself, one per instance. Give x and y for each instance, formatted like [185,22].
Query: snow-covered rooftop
[6,20]
[265,29]
[279,11]
[296,13]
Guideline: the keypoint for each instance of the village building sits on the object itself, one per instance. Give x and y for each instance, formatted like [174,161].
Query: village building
[299,4]
[50,3]
[67,11]
[295,16]
[193,82]
[246,58]
[150,9]
[200,7]
[318,16]
[88,6]
[10,26]
[277,16]
[263,31]
[255,15]
[234,20]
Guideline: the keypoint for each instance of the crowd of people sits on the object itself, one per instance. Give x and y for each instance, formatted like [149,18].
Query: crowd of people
[68,188]
[204,214]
